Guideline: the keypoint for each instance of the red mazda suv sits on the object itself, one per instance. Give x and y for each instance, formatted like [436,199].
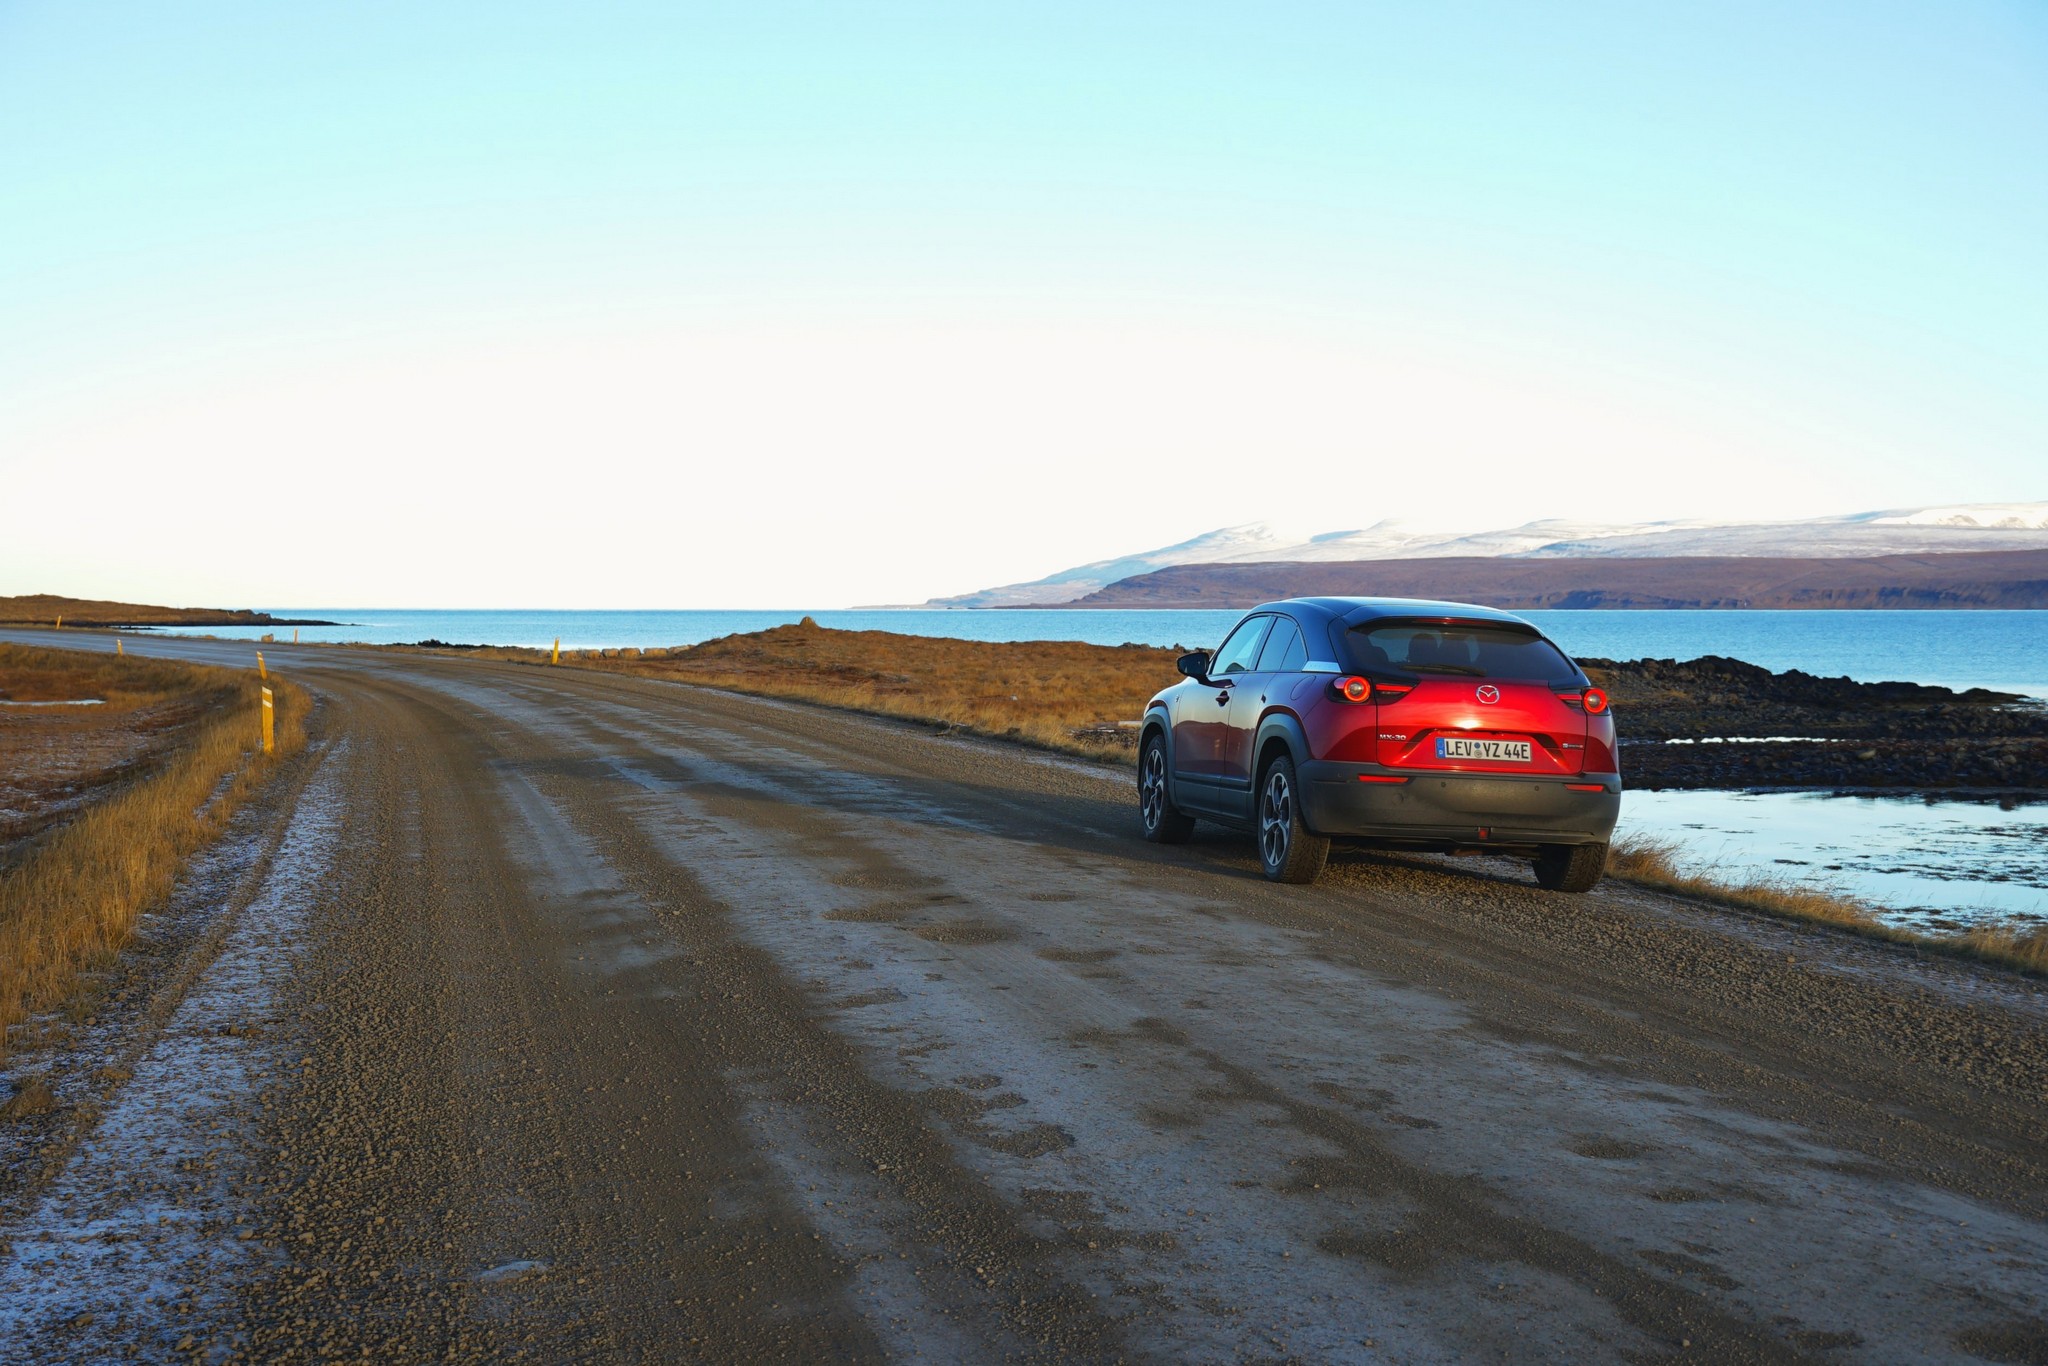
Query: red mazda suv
[1420,725]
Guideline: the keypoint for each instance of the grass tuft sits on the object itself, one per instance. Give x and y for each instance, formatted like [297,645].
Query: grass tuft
[72,902]
[2019,948]
[1655,863]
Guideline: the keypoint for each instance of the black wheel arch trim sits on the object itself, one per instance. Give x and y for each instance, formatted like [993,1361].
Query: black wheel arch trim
[1285,727]
[1156,722]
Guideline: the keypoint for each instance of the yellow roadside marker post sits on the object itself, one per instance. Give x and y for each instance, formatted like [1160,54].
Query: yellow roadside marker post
[295,635]
[261,672]
[60,621]
[269,723]
[117,646]
[557,657]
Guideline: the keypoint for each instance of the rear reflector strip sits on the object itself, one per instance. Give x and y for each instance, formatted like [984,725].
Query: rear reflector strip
[1586,787]
[1381,778]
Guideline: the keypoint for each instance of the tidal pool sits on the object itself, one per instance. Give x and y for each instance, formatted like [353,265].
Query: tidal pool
[1928,865]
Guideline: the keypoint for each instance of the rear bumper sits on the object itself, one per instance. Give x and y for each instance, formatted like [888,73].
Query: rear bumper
[1457,808]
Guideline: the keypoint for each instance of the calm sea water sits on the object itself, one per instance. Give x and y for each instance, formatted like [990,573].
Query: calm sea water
[1924,865]
[2003,650]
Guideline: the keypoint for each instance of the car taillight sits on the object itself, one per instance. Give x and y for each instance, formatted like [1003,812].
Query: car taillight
[1588,699]
[1355,689]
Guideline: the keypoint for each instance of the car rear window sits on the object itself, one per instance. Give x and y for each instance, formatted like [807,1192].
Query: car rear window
[1464,649]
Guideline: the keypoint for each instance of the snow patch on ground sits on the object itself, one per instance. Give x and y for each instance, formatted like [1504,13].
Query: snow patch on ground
[138,1245]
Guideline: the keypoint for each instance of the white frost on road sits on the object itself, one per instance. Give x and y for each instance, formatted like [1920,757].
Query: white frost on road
[139,1243]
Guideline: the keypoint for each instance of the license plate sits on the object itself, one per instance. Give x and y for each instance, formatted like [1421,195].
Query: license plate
[1499,751]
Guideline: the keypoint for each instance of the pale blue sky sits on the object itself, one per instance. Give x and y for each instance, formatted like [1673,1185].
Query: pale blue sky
[776,305]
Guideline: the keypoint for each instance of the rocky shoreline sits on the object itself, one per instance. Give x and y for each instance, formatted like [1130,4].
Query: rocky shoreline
[1723,723]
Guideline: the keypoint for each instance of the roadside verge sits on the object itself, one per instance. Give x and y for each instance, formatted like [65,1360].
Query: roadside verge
[72,901]
[1654,863]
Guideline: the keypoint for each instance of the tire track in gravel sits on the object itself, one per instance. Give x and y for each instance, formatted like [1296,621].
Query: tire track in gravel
[709,1251]
[402,1154]
[971,1256]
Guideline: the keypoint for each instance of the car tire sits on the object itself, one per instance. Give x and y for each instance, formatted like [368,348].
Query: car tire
[1161,821]
[1571,867]
[1288,849]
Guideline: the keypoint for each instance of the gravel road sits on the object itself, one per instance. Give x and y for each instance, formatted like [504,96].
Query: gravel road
[555,1015]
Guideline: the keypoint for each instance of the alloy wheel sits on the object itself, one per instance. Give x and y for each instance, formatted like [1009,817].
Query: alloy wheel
[1152,787]
[1276,819]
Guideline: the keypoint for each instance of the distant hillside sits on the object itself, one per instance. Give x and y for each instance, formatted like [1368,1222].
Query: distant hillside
[1951,530]
[1999,578]
[43,609]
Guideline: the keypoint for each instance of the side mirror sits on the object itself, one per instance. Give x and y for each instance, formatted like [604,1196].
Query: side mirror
[1195,664]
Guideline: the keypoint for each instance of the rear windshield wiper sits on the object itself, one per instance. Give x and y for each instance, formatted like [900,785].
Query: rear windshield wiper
[1446,669]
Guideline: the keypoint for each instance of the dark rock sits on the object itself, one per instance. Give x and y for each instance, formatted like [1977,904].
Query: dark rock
[1845,734]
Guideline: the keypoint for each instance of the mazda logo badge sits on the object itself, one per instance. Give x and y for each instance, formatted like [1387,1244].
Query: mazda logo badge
[1489,693]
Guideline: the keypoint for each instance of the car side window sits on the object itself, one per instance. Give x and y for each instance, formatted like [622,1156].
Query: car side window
[1284,652]
[1241,651]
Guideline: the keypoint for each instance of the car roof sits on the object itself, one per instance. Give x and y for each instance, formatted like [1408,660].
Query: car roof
[1359,611]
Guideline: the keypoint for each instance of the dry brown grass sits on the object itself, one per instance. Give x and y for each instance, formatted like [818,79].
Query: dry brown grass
[1655,863]
[2026,949]
[30,673]
[61,759]
[1057,694]
[72,902]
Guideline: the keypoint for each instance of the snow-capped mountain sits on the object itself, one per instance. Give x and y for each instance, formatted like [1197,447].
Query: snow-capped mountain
[1253,541]
[2001,516]
[1930,530]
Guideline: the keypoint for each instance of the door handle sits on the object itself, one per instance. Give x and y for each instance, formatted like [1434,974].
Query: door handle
[1222,699]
